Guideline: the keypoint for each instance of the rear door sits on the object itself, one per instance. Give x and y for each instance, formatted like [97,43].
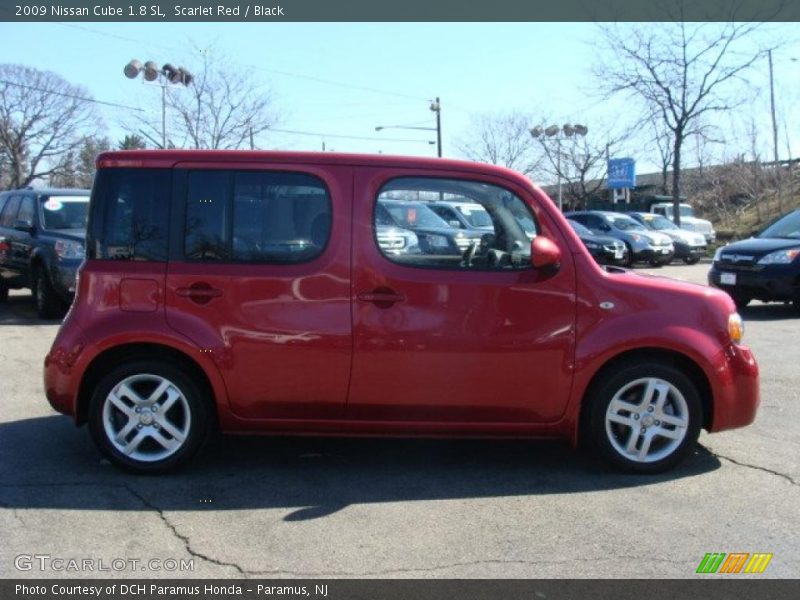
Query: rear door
[22,241]
[8,259]
[259,277]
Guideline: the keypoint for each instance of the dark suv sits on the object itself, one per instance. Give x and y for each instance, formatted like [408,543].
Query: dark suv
[765,267]
[42,234]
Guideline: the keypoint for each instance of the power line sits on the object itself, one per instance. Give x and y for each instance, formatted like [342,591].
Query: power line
[73,96]
[267,70]
[344,137]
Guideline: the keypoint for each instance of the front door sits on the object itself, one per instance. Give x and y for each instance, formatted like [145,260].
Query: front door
[454,334]
[260,279]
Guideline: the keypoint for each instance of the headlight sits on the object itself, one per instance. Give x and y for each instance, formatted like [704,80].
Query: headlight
[735,328]
[781,257]
[437,241]
[718,254]
[67,250]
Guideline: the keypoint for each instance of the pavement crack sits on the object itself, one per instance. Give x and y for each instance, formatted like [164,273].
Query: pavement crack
[185,540]
[187,543]
[788,478]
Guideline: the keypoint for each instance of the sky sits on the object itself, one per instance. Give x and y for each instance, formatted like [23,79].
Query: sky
[342,79]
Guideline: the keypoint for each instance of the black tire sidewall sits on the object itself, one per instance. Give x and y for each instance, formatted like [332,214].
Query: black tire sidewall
[50,306]
[198,405]
[610,384]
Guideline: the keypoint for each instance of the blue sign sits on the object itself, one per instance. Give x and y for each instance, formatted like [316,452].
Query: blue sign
[621,173]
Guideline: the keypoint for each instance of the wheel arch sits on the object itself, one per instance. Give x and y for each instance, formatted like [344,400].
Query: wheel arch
[117,355]
[638,355]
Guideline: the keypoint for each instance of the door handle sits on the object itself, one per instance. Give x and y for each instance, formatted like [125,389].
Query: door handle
[381,297]
[200,293]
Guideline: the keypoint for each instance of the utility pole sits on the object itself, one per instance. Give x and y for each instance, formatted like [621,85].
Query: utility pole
[774,131]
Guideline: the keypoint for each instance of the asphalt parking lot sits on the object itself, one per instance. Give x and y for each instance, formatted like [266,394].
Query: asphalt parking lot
[306,507]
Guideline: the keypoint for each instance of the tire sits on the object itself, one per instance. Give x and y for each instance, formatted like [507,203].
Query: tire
[123,413]
[48,305]
[625,403]
[691,260]
[796,304]
[3,292]
[741,300]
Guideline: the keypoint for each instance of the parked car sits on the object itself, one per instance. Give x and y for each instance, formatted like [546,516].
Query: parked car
[42,234]
[606,250]
[175,331]
[765,267]
[464,215]
[435,236]
[690,247]
[688,220]
[643,245]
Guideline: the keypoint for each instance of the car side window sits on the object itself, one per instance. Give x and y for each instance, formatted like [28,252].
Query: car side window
[256,216]
[27,211]
[409,231]
[9,214]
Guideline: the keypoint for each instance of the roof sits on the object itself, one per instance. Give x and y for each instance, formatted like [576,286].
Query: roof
[167,158]
[52,191]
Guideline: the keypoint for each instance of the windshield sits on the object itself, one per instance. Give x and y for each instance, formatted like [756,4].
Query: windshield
[579,229]
[65,212]
[626,223]
[786,227]
[475,215]
[658,222]
[414,215]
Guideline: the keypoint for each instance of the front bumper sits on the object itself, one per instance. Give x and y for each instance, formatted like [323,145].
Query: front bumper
[64,277]
[684,250]
[777,283]
[736,389]
[661,254]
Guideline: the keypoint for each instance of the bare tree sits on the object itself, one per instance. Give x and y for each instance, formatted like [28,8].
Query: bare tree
[501,139]
[43,119]
[222,108]
[78,170]
[680,72]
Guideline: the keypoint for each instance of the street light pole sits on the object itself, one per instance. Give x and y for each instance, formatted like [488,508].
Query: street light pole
[163,77]
[436,107]
[552,132]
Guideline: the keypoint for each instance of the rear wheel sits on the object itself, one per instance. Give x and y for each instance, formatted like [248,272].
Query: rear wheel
[644,417]
[48,305]
[148,417]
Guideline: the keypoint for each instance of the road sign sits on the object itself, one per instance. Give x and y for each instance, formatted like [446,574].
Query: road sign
[621,173]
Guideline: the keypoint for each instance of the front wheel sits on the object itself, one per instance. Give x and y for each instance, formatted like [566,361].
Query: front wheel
[148,417]
[691,260]
[3,292]
[645,417]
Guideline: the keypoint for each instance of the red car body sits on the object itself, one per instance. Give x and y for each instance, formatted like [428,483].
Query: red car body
[312,348]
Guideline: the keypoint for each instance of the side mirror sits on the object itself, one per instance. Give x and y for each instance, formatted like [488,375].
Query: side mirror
[455,224]
[25,226]
[544,253]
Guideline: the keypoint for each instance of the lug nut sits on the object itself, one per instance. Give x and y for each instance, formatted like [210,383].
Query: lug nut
[139,426]
[635,417]
[658,423]
[155,409]
[137,409]
[649,409]
[644,430]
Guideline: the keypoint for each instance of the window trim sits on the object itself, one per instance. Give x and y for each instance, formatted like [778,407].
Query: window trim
[380,187]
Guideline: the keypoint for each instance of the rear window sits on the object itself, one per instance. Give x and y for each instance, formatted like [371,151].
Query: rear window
[130,215]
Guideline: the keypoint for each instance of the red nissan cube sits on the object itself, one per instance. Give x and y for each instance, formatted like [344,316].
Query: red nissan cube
[289,293]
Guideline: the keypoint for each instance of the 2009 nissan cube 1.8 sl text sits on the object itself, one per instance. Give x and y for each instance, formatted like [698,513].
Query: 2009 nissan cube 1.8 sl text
[247,291]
